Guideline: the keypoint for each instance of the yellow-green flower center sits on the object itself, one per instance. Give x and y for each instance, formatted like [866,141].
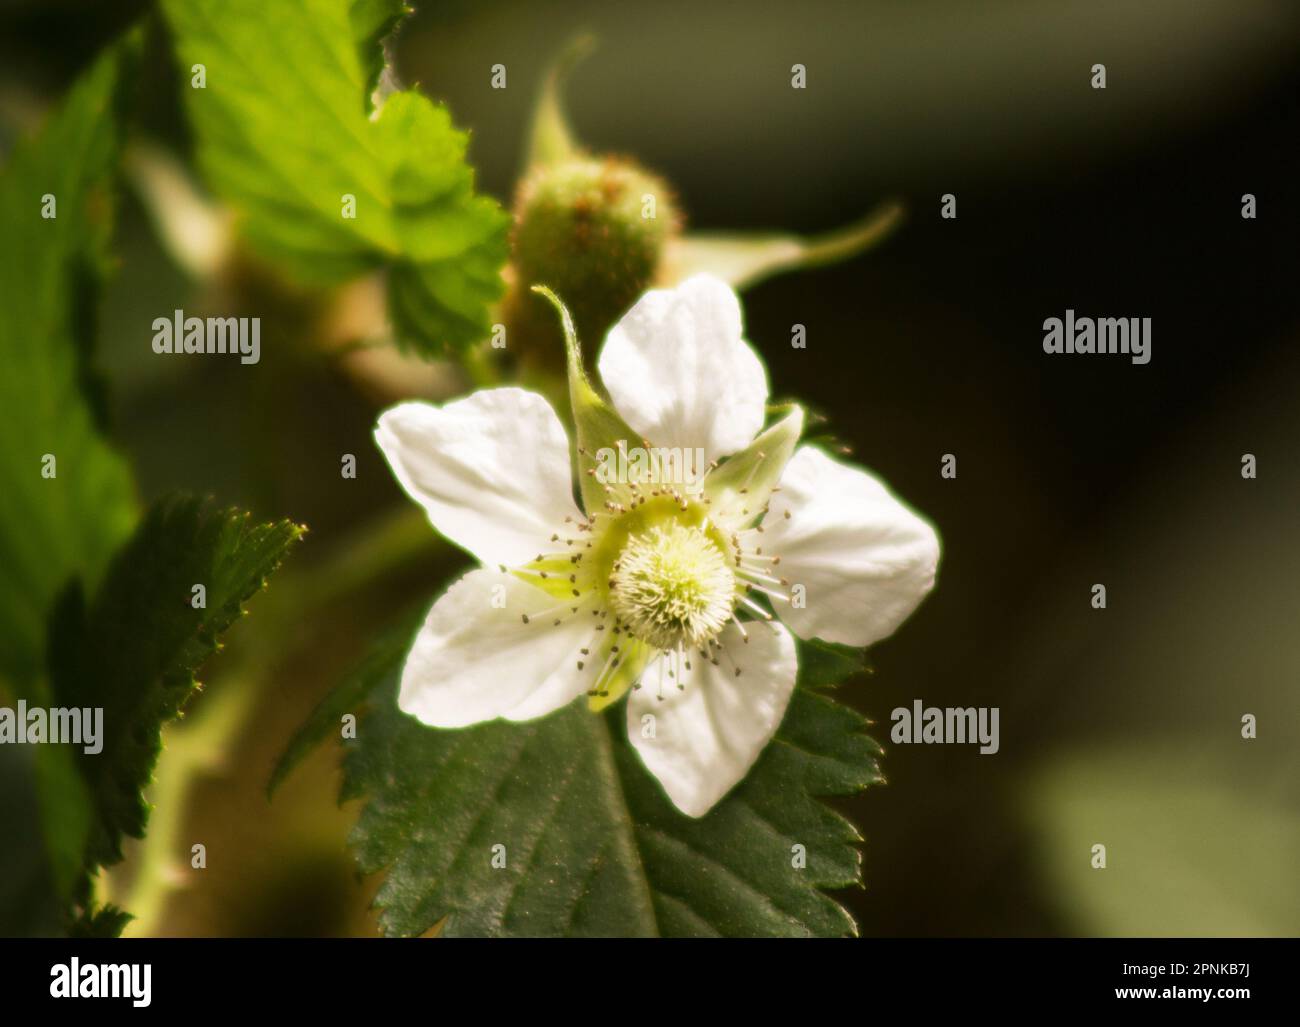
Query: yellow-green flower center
[671,586]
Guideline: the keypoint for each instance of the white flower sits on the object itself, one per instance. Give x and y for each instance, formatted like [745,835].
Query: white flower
[659,588]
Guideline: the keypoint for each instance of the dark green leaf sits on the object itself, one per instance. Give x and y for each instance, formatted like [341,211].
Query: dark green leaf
[825,664]
[32,902]
[105,922]
[135,649]
[350,697]
[65,816]
[592,845]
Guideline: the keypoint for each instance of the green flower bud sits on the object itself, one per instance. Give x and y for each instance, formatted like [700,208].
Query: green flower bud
[593,230]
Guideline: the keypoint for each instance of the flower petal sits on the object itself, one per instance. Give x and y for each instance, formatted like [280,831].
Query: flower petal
[475,658]
[864,560]
[707,735]
[491,470]
[679,372]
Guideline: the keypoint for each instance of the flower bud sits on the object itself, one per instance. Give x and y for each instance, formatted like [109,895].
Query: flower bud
[594,231]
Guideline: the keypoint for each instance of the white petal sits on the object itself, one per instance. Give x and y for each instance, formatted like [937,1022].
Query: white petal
[475,659]
[708,735]
[864,560]
[491,470]
[679,372]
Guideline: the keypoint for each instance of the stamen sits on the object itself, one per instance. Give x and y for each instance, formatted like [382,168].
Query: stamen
[528,618]
[756,575]
[601,687]
[756,608]
[730,660]
[770,592]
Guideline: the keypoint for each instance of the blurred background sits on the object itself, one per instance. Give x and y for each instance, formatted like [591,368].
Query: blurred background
[1120,727]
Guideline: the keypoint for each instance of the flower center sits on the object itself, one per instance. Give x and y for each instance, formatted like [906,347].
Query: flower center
[671,586]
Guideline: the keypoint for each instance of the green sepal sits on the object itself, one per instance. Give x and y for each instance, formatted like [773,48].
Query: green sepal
[596,422]
[551,140]
[740,489]
[611,689]
[743,259]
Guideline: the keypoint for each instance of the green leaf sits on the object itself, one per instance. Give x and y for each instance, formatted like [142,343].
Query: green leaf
[32,902]
[135,649]
[352,696]
[373,21]
[827,664]
[52,528]
[743,259]
[64,801]
[105,922]
[285,133]
[592,845]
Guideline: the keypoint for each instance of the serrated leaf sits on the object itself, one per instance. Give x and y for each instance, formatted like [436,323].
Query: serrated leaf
[591,844]
[49,392]
[134,650]
[103,922]
[284,135]
[826,664]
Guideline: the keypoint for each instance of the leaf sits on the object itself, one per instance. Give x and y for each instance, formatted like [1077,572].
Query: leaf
[284,135]
[743,259]
[103,922]
[591,844]
[49,391]
[133,652]
[373,21]
[32,903]
[826,664]
[64,801]
[351,696]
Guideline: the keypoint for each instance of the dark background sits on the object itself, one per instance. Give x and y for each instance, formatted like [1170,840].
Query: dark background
[1119,726]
